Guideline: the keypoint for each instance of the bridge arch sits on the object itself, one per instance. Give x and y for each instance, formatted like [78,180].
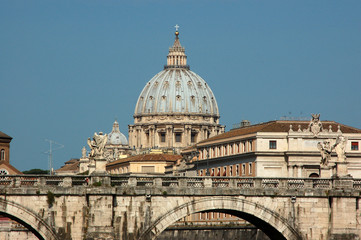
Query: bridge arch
[272,223]
[29,219]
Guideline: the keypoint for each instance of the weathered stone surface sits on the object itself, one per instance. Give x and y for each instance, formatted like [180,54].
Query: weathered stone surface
[318,209]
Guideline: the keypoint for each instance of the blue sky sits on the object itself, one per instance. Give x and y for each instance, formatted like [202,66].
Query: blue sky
[70,68]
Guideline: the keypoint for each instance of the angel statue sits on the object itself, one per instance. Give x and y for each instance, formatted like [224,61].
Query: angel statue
[340,147]
[97,144]
[325,149]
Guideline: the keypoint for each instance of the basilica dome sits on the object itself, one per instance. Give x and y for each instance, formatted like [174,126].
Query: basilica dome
[176,89]
[176,108]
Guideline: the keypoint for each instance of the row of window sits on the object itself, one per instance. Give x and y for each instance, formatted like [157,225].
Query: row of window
[227,149]
[232,170]
[177,137]
[273,145]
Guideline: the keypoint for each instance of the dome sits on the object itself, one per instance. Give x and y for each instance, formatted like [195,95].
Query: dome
[176,89]
[115,137]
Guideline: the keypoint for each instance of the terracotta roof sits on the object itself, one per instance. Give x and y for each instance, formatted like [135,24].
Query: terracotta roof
[3,135]
[147,157]
[279,126]
[9,167]
[69,167]
[73,160]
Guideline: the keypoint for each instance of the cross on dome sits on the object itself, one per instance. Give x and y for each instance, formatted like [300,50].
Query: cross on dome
[176,27]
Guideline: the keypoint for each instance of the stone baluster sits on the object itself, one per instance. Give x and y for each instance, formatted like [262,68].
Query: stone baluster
[257,183]
[232,183]
[67,182]
[308,183]
[207,182]
[158,182]
[182,182]
[132,181]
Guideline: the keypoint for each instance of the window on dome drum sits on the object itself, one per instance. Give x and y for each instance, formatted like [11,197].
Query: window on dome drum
[2,154]
[272,144]
[243,169]
[162,137]
[193,137]
[354,146]
[178,137]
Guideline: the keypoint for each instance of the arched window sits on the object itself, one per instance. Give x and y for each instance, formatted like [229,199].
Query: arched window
[2,154]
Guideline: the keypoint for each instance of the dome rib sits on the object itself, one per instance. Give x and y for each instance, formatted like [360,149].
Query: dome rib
[166,84]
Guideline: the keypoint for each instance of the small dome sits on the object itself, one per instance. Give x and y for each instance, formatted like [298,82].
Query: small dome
[115,137]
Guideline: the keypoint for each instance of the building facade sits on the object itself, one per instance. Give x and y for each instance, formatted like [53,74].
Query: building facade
[277,149]
[176,108]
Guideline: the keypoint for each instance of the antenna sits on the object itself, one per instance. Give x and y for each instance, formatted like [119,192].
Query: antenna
[50,153]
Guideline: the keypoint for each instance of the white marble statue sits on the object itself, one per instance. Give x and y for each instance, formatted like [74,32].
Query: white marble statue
[325,149]
[83,152]
[97,144]
[340,147]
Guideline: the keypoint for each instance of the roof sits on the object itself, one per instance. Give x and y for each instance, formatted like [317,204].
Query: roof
[12,170]
[147,158]
[3,135]
[70,166]
[279,126]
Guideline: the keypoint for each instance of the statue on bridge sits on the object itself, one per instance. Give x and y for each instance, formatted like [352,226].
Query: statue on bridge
[97,144]
[340,147]
[325,149]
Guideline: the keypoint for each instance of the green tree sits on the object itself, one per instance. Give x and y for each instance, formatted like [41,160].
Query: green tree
[36,171]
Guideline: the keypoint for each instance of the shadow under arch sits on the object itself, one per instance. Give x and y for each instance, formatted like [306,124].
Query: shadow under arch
[270,222]
[27,218]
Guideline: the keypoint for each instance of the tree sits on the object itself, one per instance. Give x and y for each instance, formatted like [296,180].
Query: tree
[36,171]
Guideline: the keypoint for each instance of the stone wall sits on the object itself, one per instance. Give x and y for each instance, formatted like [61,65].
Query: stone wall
[191,233]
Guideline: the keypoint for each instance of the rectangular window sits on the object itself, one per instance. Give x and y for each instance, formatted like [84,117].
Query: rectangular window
[237,170]
[250,146]
[162,137]
[230,170]
[354,146]
[272,144]
[243,169]
[178,137]
[250,168]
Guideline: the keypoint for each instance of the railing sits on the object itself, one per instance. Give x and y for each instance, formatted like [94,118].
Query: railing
[13,181]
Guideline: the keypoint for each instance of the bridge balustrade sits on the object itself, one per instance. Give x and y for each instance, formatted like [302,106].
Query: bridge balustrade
[173,182]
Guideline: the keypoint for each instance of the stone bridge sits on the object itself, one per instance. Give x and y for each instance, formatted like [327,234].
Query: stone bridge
[141,207]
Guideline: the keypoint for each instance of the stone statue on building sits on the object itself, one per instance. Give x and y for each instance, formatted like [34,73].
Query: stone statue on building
[83,152]
[315,125]
[325,149]
[97,144]
[340,147]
